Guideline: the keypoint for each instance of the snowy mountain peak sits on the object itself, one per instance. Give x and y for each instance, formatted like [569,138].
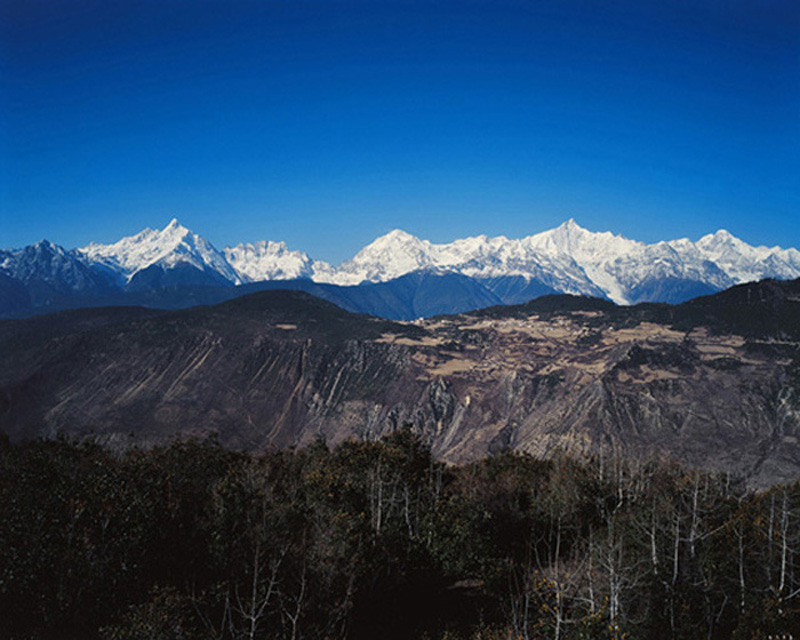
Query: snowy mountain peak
[175,232]
[389,256]
[720,237]
[572,239]
[395,238]
[567,258]
[570,226]
[172,245]
[567,235]
[268,260]
[46,262]
[44,246]
[744,262]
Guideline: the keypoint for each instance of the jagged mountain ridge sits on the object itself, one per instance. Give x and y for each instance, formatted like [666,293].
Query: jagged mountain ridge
[567,259]
[45,273]
[174,246]
[713,382]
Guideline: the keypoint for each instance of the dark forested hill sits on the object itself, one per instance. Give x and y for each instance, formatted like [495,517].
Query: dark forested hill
[380,540]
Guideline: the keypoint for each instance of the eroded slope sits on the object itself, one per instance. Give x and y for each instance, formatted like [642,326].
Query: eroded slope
[713,383]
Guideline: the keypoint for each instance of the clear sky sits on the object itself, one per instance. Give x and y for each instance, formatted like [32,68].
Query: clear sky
[327,123]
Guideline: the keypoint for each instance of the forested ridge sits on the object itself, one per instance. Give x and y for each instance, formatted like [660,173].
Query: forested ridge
[380,540]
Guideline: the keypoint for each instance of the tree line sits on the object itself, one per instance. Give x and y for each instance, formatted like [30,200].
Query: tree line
[380,540]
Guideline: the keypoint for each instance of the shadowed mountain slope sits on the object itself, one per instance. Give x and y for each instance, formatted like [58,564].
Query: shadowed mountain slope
[713,382]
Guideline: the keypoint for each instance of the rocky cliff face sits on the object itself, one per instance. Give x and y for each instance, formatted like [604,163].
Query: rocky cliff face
[713,384]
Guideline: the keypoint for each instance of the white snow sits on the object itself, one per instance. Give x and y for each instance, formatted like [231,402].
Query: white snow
[568,258]
[268,261]
[167,247]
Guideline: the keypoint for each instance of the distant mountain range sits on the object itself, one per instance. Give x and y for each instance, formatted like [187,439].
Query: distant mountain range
[397,276]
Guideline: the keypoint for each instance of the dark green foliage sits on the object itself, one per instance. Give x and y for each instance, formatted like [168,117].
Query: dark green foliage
[377,539]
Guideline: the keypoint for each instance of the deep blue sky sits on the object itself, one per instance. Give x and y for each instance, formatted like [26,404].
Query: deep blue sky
[327,123]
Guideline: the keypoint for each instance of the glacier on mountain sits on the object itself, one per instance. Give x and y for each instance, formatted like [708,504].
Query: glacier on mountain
[167,247]
[267,260]
[567,259]
[573,260]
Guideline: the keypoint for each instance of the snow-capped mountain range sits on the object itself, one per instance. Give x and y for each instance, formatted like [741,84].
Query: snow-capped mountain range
[566,259]
[166,248]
